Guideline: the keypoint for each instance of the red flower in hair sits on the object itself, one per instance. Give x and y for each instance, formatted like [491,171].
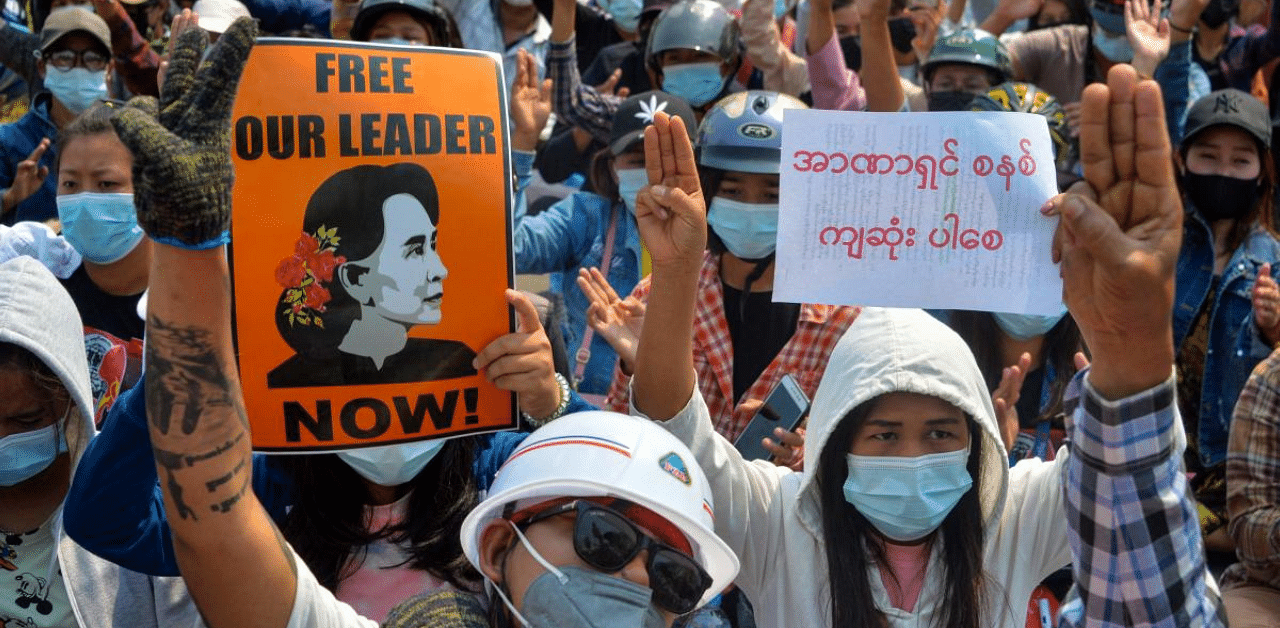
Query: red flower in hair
[304,273]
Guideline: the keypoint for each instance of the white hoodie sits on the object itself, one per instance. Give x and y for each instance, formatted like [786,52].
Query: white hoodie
[771,516]
[37,314]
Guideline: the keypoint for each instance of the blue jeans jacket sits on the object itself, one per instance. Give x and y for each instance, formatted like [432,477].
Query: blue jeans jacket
[1236,344]
[566,237]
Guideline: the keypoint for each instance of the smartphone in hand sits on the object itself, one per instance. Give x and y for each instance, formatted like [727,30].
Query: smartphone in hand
[785,407]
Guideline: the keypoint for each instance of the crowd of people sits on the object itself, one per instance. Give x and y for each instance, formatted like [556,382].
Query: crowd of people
[1112,464]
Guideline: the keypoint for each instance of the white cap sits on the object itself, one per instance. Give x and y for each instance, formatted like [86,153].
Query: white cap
[216,16]
[606,454]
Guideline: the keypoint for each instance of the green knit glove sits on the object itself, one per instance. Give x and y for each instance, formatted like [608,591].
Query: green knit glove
[182,160]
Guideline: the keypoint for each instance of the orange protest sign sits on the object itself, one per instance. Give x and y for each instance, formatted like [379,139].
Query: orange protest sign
[371,242]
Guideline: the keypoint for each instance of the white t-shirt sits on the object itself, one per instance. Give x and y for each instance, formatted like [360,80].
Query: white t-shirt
[31,594]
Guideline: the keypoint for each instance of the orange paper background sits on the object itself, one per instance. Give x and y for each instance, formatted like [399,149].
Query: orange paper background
[270,197]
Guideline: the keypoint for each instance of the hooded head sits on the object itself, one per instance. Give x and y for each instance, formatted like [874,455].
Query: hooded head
[956,487]
[902,350]
[38,320]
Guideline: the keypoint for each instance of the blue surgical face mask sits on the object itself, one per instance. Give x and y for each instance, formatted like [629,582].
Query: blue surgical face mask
[76,88]
[1027,326]
[625,12]
[392,465]
[630,181]
[102,227]
[24,455]
[580,597]
[748,230]
[1112,46]
[780,8]
[697,83]
[907,498]
[400,41]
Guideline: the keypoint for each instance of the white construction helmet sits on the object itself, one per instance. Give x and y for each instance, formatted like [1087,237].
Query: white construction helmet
[606,454]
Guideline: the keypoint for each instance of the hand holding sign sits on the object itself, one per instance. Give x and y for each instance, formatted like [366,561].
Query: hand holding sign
[1118,243]
[521,362]
[670,212]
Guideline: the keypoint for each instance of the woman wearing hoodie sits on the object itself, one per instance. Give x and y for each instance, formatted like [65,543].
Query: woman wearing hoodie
[46,420]
[909,514]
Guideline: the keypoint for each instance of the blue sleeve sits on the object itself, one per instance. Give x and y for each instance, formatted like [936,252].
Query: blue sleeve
[115,508]
[578,404]
[548,242]
[494,450]
[278,16]
[1173,75]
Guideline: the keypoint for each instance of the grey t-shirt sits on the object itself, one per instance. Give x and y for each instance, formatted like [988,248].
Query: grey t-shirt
[1052,58]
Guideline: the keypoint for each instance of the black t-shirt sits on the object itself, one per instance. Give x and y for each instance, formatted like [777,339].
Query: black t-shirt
[759,331]
[113,314]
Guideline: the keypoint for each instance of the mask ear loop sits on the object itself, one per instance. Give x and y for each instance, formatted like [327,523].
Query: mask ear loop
[489,584]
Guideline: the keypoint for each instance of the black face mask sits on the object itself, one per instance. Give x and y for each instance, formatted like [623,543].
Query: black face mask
[950,101]
[1218,12]
[901,32]
[1217,197]
[851,46]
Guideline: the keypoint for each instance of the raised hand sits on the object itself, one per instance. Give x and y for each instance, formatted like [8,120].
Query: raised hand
[530,103]
[610,85]
[618,321]
[1148,35]
[28,177]
[1118,237]
[787,448]
[521,362]
[1266,305]
[182,161]
[1006,396]
[182,22]
[670,212]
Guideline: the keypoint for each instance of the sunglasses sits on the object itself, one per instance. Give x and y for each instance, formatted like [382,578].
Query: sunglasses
[606,540]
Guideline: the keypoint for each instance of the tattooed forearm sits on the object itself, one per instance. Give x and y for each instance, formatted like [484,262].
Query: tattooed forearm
[178,460]
[186,374]
[213,484]
[175,492]
[226,504]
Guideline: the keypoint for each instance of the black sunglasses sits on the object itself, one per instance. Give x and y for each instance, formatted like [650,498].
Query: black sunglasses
[606,540]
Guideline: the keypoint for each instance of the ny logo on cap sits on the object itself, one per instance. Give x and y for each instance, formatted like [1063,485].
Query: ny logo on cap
[1226,103]
[650,109]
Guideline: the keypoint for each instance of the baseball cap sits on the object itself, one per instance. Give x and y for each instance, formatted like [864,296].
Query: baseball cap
[1232,107]
[216,16]
[62,23]
[637,112]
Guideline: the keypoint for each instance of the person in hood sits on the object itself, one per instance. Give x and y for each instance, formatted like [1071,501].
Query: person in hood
[907,513]
[1227,317]
[46,422]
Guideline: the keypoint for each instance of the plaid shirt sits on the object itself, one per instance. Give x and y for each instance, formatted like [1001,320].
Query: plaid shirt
[1253,479]
[804,356]
[1138,556]
[574,103]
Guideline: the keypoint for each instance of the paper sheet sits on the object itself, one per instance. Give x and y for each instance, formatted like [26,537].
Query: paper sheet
[929,210]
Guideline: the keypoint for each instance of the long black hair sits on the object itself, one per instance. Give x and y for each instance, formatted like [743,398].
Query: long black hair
[327,523]
[851,539]
[980,329]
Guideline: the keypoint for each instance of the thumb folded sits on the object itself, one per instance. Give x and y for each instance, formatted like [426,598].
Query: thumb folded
[1093,229]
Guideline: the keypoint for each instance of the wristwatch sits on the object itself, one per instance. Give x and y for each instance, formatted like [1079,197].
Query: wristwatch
[560,407]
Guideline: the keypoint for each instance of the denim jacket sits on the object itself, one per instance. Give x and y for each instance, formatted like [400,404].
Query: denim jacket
[571,235]
[17,140]
[1236,344]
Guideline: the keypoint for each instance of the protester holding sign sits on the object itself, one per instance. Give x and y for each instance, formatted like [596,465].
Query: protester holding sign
[1227,317]
[907,513]
[377,524]
[746,342]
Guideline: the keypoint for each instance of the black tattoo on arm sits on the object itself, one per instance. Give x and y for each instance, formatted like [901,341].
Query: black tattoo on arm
[187,376]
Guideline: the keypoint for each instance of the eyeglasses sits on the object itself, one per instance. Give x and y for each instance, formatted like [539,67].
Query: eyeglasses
[64,60]
[606,540]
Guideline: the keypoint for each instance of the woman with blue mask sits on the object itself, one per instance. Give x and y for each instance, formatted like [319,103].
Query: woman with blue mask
[907,513]
[588,229]
[746,342]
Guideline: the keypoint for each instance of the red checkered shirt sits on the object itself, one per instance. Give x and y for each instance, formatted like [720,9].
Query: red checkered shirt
[804,356]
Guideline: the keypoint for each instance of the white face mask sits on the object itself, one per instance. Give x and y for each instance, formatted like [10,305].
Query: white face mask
[392,465]
[630,180]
